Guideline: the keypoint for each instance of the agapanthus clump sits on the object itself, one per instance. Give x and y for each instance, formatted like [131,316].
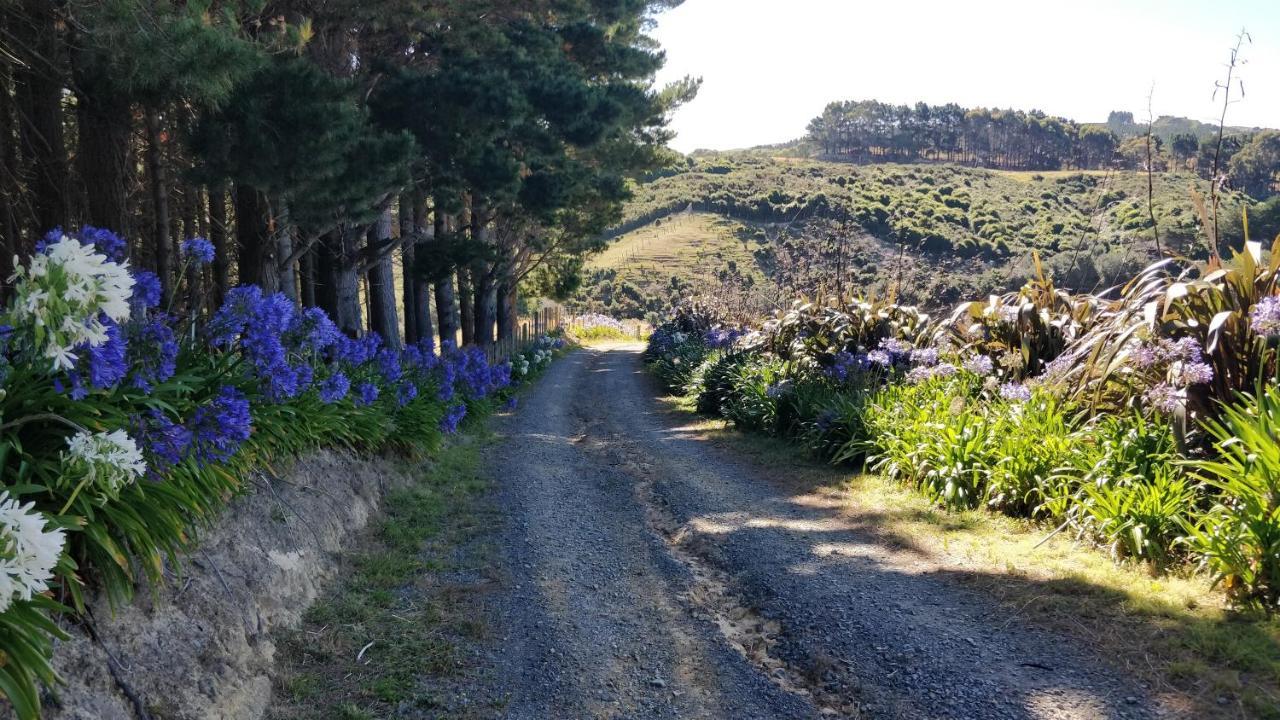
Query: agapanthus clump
[198,251]
[367,393]
[846,365]
[722,338]
[312,331]
[389,365]
[924,357]
[1265,317]
[147,292]
[256,325]
[334,388]
[166,442]
[1015,392]
[99,366]
[103,241]
[358,351]
[219,426]
[1172,366]
[979,365]
[102,463]
[66,294]
[152,352]
[406,392]
[452,418]
[28,551]
[921,373]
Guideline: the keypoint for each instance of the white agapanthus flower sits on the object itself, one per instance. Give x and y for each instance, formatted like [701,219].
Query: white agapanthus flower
[106,461]
[64,292]
[28,553]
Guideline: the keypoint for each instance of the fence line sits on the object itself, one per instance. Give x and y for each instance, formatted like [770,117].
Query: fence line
[528,330]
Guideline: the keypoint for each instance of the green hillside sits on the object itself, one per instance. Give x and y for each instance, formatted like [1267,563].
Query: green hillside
[930,233]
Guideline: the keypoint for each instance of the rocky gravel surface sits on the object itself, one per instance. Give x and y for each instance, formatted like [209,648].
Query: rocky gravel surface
[648,573]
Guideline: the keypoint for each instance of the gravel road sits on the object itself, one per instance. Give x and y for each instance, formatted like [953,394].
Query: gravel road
[650,574]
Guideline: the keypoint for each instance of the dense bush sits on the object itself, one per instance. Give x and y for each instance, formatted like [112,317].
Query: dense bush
[125,430]
[1081,410]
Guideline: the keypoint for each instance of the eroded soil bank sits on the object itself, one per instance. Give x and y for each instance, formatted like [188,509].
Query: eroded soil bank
[201,646]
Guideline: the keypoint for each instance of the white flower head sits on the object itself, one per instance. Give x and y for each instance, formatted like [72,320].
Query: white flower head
[28,553]
[66,290]
[107,461]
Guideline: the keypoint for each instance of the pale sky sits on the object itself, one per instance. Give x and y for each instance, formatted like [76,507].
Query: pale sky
[769,66]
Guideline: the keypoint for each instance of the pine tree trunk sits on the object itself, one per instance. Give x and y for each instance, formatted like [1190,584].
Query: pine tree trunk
[507,305]
[105,125]
[337,282]
[253,235]
[482,279]
[408,229]
[466,307]
[161,242]
[382,285]
[285,271]
[422,326]
[307,276]
[10,217]
[446,298]
[218,236]
[38,89]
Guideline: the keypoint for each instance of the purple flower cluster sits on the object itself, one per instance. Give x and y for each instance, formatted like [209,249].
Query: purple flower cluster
[452,417]
[921,373]
[219,426]
[368,393]
[334,388]
[1181,360]
[257,324]
[1016,392]
[104,241]
[312,331]
[102,366]
[722,338]
[1164,397]
[167,442]
[146,290]
[1265,318]
[847,365]
[198,250]
[153,352]
[979,365]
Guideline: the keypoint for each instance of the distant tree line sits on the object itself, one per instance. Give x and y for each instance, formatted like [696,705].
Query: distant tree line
[868,131]
[313,142]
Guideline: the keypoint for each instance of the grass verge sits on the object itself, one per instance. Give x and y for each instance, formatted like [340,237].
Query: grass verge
[1173,631]
[393,634]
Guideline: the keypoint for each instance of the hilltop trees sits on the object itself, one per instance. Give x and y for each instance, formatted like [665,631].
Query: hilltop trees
[865,131]
[293,134]
[870,131]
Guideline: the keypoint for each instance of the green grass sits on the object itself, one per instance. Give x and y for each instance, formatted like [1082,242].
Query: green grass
[389,603]
[963,232]
[1174,631]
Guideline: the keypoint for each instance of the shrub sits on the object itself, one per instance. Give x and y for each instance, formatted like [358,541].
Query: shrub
[1239,538]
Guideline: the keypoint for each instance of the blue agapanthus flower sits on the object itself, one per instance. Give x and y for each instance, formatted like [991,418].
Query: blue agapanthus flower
[312,331]
[153,352]
[219,426]
[198,250]
[368,393]
[99,366]
[146,289]
[168,443]
[406,392]
[452,418]
[334,388]
[104,241]
[256,324]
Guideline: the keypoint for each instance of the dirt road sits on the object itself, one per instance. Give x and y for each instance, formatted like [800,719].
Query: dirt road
[651,574]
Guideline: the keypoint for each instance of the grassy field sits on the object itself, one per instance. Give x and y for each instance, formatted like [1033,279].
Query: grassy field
[642,269]
[688,241]
[1173,631]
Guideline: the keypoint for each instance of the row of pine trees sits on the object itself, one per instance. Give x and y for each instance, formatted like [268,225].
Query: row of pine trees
[479,144]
